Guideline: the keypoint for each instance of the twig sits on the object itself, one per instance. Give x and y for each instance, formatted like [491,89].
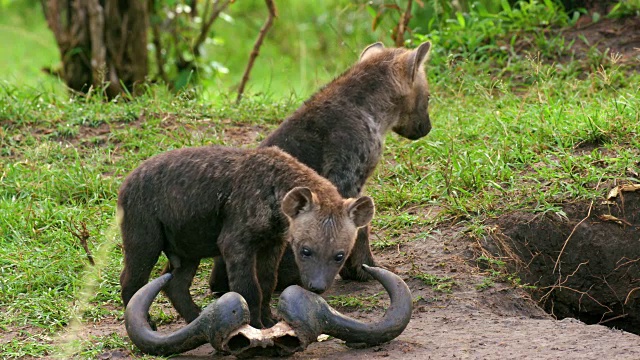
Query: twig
[193,4]
[629,295]
[98,50]
[157,42]
[256,47]
[402,24]
[613,318]
[628,262]
[569,237]
[206,25]
[562,282]
[83,235]
[582,293]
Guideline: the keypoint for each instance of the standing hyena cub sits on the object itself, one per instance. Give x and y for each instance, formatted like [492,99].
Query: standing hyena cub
[340,133]
[242,205]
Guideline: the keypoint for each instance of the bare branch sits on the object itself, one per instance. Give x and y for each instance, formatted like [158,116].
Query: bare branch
[157,41]
[569,237]
[256,47]
[206,25]
[82,234]
[403,24]
[98,49]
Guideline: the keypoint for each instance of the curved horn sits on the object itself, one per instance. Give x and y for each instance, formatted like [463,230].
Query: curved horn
[310,315]
[216,322]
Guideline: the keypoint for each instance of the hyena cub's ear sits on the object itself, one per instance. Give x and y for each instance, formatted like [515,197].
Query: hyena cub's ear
[371,50]
[297,201]
[360,210]
[421,54]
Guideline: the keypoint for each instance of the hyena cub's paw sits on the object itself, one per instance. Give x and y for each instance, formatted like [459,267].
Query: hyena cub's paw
[355,272]
[219,289]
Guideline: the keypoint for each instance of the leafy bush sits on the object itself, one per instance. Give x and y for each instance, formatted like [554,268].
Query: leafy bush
[480,35]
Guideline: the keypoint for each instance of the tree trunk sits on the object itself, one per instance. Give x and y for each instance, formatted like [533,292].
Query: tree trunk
[103,43]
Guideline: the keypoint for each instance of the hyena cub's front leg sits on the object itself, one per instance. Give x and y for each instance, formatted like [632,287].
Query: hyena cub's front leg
[267,269]
[361,254]
[241,265]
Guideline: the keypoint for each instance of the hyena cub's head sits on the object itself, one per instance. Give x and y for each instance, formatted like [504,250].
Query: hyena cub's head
[322,236]
[410,82]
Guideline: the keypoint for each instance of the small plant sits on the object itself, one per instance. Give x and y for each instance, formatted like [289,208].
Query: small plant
[490,262]
[485,284]
[366,303]
[440,284]
[497,270]
[66,131]
[625,8]
[383,244]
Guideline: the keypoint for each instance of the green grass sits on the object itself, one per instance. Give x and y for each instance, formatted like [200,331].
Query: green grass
[27,47]
[528,137]
[440,284]
[361,302]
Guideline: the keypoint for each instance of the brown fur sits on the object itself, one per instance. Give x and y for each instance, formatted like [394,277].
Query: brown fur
[340,132]
[241,205]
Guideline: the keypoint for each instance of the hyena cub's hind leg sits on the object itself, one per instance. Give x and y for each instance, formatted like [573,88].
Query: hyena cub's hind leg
[138,260]
[144,242]
[218,280]
[177,290]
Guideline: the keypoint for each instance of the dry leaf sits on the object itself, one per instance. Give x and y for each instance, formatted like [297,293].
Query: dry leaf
[626,187]
[630,187]
[610,218]
[606,217]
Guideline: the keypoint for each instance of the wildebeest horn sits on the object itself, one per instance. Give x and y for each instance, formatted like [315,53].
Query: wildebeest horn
[310,315]
[214,325]
[225,323]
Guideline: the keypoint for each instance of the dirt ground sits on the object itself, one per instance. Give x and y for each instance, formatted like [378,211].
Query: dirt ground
[500,322]
[610,36]
[480,317]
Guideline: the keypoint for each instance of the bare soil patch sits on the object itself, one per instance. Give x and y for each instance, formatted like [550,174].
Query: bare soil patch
[609,36]
[497,322]
[475,320]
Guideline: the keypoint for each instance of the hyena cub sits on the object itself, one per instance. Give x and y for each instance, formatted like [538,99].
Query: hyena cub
[242,205]
[340,131]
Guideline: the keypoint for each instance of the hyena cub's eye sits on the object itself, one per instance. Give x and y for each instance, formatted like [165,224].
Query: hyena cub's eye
[339,257]
[306,252]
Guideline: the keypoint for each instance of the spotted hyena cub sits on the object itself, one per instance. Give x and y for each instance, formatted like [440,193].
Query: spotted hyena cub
[340,131]
[244,206]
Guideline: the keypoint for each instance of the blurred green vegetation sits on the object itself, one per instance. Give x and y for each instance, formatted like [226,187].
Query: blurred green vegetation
[312,41]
